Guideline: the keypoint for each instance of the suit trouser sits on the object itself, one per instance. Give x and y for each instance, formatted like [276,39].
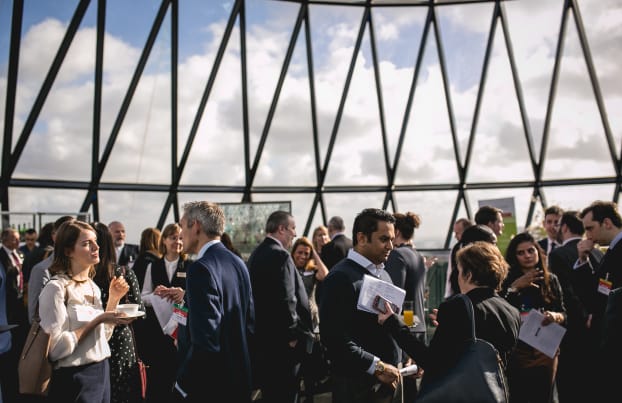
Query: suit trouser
[280,376]
[359,389]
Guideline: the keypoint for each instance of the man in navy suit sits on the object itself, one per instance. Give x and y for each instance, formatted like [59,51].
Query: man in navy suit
[283,327]
[220,312]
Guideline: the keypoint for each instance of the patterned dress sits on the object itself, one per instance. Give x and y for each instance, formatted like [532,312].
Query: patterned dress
[124,381]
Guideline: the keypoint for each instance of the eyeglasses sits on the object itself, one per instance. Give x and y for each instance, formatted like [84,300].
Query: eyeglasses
[532,251]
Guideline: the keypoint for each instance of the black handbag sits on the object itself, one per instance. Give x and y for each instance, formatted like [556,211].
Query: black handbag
[478,376]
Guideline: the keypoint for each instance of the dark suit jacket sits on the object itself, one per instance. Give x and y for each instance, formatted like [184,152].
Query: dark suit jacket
[335,250]
[544,244]
[282,310]
[579,287]
[221,315]
[352,336]
[496,321]
[610,267]
[16,311]
[129,253]
[407,270]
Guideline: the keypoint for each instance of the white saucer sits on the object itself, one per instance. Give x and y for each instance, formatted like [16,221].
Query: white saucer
[136,315]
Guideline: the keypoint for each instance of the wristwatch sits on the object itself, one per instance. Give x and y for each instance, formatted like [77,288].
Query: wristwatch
[512,290]
[380,367]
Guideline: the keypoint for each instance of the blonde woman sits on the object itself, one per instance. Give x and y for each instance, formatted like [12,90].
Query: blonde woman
[71,311]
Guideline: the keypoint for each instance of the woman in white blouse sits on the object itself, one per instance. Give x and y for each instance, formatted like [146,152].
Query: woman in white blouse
[165,283]
[71,312]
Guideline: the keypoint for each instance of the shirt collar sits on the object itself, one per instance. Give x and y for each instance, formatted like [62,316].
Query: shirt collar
[615,240]
[207,246]
[366,263]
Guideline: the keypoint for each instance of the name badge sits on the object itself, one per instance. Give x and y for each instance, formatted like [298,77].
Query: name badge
[181,274]
[604,286]
[180,314]
[85,313]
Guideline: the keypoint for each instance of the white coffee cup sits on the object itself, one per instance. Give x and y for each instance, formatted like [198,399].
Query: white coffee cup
[128,309]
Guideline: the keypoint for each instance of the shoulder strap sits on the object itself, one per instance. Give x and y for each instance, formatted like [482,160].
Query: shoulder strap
[470,312]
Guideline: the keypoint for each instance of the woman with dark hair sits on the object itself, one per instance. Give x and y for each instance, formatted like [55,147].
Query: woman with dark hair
[124,381]
[72,313]
[228,242]
[530,285]
[481,270]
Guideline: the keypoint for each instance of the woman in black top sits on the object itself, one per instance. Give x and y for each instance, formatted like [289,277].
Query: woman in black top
[481,269]
[530,285]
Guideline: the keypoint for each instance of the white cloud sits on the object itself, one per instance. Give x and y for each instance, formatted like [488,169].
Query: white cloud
[142,150]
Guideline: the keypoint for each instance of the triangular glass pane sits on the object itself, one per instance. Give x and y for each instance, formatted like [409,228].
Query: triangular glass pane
[269,32]
[43,29]
[577,145]
[398,32]
[534,53]
[199,41]
[462,213]
[60,144]
[348,205]
[316,221]
[578,197]
[435,222]
[6,11]
[47,204]
[136,210]
[500,150]
[601,20]
[535,227]
[464,32]
[353,161]
[287,158]
[428,155]
[333,37]
[128,24]
[219,142]
[142,150]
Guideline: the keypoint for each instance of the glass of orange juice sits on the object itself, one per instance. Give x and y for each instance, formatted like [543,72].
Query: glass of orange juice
[409,314]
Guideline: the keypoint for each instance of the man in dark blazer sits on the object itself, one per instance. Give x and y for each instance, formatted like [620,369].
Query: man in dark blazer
[126,252]
[551,219]
[220,312]
[283,326]
[579,346]
[337,249]
[362,353]
[603,226]
[15,310]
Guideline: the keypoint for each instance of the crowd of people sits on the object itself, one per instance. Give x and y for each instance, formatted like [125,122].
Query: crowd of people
[290,320]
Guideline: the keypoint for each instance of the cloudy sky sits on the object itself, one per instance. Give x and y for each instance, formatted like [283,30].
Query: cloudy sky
[60,144]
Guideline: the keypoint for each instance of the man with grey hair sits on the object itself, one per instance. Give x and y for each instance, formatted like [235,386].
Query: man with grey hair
[283,326]
[339,244]
[220,312]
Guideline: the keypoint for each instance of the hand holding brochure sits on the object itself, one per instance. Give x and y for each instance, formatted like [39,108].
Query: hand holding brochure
[373,287]
[543,338]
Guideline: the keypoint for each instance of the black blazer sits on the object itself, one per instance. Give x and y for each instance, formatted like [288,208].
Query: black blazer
[610,267]
[496,321]
[335,250]
[579,286]
[353,337]
[129,253]
[282,312]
